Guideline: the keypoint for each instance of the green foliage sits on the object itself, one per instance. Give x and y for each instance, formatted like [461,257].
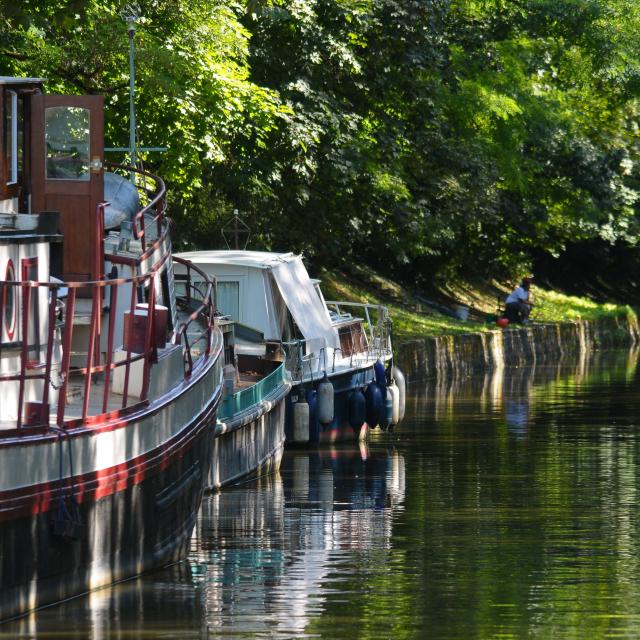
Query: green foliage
[428,137]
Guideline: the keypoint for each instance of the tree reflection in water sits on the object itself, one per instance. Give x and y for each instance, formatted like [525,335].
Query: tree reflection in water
[485,519]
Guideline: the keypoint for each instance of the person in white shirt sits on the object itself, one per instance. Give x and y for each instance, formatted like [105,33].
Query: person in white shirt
[519,302]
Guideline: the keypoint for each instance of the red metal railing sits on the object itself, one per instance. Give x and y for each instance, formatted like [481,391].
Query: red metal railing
[85,359]
[156,205]
[82,362]
[199,298]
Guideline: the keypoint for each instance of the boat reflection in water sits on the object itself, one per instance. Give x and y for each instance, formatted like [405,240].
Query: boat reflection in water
[269,556]
[164,604]
[267,559]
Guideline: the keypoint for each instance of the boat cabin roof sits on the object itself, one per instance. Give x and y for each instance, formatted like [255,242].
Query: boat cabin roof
[255,259]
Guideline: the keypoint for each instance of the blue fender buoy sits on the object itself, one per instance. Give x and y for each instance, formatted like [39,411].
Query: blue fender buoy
[314,424]
[381,374]
[375,404]
[357,409]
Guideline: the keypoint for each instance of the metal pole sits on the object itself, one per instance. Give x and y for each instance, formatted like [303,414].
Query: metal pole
[132,112]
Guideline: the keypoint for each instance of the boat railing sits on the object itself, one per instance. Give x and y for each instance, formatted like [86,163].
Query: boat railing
[297,360]
[69,337]
[246,398]
[198,298]
[374,318]
[375,343]
[153,194]
[78,360]
[303,362]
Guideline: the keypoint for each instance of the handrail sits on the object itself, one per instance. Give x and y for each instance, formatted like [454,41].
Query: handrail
[105,309]
[205,309]
[346,303]
[157,203]
[378,331]
[246,398]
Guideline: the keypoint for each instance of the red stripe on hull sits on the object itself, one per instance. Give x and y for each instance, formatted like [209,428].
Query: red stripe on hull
[104,482]
[133,518]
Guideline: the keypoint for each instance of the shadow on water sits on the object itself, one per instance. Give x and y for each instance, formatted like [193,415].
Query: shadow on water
[504,506]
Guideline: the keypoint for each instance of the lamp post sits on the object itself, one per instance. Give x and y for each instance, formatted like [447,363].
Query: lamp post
[131,29]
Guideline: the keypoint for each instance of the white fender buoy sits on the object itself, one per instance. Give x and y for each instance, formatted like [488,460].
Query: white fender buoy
[398,376]
[393,393]
[387,413]
[301,420]
[325,401]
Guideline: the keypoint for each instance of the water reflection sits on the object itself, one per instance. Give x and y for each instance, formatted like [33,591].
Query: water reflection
[142,608]
[265,554]
[530,512]
[512,391]
[505,506]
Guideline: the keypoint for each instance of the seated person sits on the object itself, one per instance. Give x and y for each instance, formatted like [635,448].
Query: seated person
[519,303]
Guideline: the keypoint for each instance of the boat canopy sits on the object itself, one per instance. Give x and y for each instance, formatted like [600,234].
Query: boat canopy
[307,309]
[262,310]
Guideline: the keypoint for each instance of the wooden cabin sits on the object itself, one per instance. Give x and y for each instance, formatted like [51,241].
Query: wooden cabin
[51,161]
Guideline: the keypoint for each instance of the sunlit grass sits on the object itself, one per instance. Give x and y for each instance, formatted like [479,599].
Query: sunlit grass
[411,321]
[553,306]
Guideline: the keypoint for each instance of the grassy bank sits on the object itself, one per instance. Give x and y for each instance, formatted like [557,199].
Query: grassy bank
[416,316]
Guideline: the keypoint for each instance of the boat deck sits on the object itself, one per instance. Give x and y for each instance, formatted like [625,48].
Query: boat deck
[75,398]
[247,379]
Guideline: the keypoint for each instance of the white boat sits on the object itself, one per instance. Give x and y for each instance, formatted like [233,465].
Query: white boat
[338,354]
[110,379]
[249,432]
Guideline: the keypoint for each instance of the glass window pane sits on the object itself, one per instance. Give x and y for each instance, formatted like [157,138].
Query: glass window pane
[228,298]
[20,140]
[11,131]
[67,139]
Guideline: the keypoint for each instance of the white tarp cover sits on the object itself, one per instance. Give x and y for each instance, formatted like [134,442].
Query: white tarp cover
[300,296]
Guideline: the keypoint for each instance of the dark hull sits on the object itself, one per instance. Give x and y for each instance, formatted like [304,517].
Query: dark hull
[145,525]
[340,430]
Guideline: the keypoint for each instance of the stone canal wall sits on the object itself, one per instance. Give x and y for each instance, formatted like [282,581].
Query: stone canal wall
[539,343]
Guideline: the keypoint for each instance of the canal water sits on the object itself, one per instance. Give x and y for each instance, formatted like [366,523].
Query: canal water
[505,506]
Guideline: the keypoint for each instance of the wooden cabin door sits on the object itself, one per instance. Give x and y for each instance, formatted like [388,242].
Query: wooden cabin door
[67,154]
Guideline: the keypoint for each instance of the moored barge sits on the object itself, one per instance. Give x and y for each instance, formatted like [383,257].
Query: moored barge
[110,375]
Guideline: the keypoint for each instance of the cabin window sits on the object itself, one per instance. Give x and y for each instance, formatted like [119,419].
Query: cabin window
[20,136]
[9,302]
[67,141]
[228,298]
[11,136]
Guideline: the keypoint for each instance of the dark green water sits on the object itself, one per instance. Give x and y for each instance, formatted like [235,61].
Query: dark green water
[506,506]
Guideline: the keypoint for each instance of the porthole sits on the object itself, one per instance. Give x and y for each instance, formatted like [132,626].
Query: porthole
[9,302]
